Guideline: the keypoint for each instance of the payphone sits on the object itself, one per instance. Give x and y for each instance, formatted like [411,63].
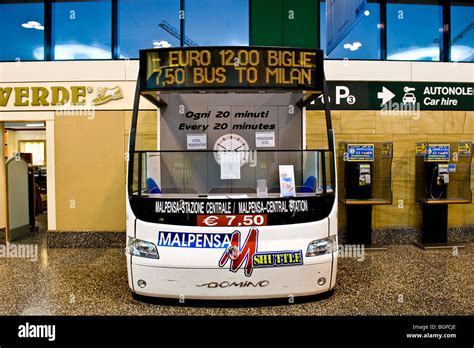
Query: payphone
[364,174]
[358,180]
[442,178]
[365,169]
[437,180]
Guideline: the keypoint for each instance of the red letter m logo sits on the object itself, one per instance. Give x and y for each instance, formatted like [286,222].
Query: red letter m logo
[245,253]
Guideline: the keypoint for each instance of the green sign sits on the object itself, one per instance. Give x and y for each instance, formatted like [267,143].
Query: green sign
[400,97]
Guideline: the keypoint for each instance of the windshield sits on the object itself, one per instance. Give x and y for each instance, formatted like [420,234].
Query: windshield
[245,173]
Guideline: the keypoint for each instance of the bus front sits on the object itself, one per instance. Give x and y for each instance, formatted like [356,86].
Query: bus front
[224,201]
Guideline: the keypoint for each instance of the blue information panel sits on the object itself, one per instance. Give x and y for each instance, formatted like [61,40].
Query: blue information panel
[437,153]
[360,152]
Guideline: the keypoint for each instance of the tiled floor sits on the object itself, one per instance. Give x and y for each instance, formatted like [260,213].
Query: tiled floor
[403,280]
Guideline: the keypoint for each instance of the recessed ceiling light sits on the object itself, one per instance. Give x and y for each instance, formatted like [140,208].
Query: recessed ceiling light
[161,44]
[353,47]
[367,13]
[33,25]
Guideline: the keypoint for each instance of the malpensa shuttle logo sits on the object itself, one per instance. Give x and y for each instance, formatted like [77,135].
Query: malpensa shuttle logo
[237,254]
[193,240]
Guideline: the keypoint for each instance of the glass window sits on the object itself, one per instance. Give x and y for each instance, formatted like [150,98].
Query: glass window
[462,31]
[82,29]
[216,22]
[23,31]
[36,148]
[414,30]
[147,24]
[362,41]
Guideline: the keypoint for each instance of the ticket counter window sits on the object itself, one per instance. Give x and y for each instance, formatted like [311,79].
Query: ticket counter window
[208,172]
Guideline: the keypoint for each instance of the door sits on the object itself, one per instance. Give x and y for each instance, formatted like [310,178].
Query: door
[18,222]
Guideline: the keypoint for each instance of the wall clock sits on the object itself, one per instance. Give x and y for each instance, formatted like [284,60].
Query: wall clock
[231,142]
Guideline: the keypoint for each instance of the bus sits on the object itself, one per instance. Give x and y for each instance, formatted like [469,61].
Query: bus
[226,202]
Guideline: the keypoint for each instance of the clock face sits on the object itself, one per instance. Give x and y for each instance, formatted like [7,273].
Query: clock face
[232,142]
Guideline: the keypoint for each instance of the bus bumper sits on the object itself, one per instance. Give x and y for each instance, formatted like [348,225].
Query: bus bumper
[220,283]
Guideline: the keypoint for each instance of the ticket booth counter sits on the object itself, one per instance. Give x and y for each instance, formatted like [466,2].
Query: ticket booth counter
[231,204]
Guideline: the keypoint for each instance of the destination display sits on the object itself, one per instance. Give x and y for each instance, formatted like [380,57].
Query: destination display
[192,68]
[233,212]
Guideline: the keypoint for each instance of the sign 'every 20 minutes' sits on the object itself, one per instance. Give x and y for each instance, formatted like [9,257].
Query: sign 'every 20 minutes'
[231,68]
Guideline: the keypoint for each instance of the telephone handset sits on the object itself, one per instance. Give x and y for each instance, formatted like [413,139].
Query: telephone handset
[364,174]
[441,172]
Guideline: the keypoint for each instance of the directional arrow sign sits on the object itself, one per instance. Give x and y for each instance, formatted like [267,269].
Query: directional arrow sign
[386,95]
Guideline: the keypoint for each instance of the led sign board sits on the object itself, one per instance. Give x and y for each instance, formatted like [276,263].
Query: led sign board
[257,68]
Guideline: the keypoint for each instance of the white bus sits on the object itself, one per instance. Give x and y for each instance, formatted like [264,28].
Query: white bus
[230,204]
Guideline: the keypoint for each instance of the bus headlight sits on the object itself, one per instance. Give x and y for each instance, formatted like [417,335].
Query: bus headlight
[142,248]
[322,246]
